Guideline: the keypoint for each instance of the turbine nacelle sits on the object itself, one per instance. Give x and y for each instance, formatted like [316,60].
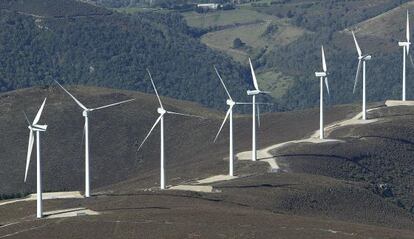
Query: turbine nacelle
[365,58]
[253,92]
[320,74]
[161,111]
[41,128]
[86,112]
[230,102]
[404,44]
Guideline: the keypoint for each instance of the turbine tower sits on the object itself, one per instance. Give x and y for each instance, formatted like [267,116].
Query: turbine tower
[323,77]
[231,103]
[85,114]
[253,93]
[406,52]
[160,120]
[363,59]
[36,128]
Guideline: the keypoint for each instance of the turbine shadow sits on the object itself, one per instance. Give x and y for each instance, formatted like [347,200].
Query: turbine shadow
[264,185]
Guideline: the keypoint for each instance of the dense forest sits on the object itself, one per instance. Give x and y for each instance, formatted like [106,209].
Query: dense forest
[113,51]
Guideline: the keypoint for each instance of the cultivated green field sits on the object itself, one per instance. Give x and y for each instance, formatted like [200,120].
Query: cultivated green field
[224,18]
[260,33]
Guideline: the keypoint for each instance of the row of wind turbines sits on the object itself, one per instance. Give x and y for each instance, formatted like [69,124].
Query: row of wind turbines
[36,128]
[362,58]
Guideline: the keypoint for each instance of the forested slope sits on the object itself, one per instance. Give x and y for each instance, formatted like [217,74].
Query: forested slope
[111,50]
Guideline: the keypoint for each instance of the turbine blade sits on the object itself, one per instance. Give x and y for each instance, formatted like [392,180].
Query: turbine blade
[256,86]
[323,61]
[258,116]
[243,103]
[411,60]
[155,88]
[408,28]
[29,153]
[356,76]
[222,124]
[39,113]
[222,82]
[27,119]
[73,97]
[182,114]
[114,104]
[327,85]
[149,133]
[356,45]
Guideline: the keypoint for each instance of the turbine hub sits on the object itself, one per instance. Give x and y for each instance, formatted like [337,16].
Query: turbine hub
[161,111]
[230,102]
[85,113]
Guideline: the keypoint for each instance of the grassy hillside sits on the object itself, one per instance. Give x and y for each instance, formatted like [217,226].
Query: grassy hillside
[323,187]
[116,134]
[110,50]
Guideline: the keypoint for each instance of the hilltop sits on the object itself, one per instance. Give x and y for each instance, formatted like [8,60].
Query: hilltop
[329,189]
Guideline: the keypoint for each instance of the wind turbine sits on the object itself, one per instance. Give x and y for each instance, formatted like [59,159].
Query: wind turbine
[363,59]
[406,52]
[231,103]
[253,93]
[85,114]
[36,128]
[160,120]
[323,77]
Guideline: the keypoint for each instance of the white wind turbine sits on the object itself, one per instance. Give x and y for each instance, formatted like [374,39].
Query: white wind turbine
[85,114]
[160,120]
[323,77]
[36,128]
[363,59]
[406,52]
[253,93]
[231,103]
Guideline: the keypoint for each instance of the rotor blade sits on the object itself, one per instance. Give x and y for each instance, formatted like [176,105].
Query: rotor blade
[253,76]
[356,45]
[149,133]
[39,113]
[114,104]
[155,89]
[29,153]
[222,82]
[222,124]
[411,60]
[356,76]
[27,119]
[258,116]
[73,97]
[327,85]
[408,29]
[188,115]
[323,60]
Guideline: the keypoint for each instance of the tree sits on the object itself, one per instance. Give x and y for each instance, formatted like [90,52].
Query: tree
[237,43]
